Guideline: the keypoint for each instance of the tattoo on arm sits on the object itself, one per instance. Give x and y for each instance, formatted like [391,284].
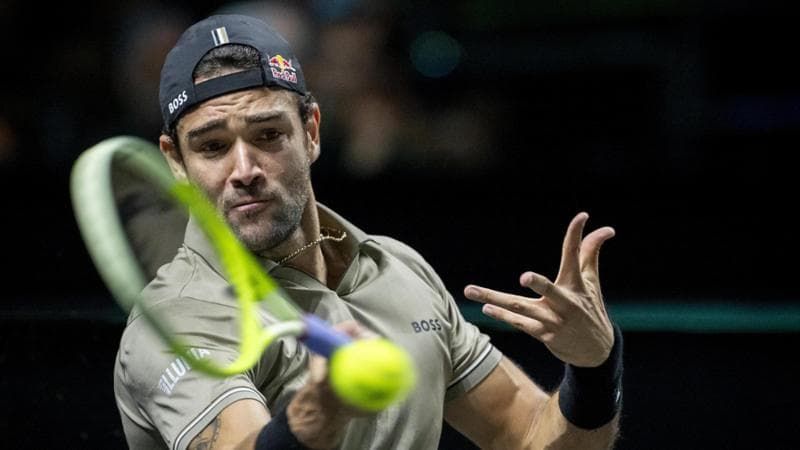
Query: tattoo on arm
[206,439]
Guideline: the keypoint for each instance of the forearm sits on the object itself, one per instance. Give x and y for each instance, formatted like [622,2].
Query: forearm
[509,411]
[551,430]
[584,413]
[317,418]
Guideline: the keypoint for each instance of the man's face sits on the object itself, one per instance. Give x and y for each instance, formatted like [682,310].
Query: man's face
[251,154]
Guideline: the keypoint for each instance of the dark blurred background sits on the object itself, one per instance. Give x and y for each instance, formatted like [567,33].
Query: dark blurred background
[473,130]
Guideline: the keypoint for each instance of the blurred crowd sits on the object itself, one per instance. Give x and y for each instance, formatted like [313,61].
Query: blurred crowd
[660,115]
[357,61]
[94,74]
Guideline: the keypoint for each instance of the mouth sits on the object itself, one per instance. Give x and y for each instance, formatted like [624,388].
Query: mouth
[250,205]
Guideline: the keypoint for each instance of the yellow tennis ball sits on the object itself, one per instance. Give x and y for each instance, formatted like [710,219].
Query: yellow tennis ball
[371,374]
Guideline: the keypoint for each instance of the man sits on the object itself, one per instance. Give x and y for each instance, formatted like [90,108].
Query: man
[241,125]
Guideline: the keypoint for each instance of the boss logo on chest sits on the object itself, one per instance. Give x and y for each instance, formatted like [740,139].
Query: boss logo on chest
[421,326]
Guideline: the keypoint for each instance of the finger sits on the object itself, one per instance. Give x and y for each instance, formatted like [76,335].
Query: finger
[531,326]
[551,294]
[569,269]
[522,305]
[590,251]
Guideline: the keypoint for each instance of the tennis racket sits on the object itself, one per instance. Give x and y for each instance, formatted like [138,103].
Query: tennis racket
[390,373]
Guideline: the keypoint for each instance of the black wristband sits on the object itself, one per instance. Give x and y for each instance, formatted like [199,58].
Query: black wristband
[276,435]
[589,397]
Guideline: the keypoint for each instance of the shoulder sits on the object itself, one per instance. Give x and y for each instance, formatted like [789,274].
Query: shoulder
[396,247]
[159,386]
[403,252]
[187,279]
[144,356]
[411,258]
[141,356]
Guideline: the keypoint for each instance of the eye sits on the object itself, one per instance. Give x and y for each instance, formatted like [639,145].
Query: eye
[211,148]
[269,135]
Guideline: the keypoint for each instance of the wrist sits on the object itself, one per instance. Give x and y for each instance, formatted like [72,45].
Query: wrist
[316,416]
[277,435]
[590,397]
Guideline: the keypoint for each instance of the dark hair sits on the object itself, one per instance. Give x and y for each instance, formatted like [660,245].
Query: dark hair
[240,57]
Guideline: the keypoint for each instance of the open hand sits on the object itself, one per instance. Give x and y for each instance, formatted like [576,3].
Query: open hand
[569,317]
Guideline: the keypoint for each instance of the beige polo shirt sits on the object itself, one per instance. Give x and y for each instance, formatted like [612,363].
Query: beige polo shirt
[387,287]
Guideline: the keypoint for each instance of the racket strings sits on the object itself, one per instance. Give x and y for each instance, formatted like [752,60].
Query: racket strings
[98,219]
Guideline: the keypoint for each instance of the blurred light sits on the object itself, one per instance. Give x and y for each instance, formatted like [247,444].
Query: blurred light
[435,54]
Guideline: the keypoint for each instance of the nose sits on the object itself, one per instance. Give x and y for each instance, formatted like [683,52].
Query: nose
[246,170]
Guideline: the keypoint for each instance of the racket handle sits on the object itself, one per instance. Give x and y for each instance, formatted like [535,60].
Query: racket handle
[321,338]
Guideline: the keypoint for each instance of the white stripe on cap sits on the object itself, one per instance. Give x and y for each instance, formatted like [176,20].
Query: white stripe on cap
[220,36]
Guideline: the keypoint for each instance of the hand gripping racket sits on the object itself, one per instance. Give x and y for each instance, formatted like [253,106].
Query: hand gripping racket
[370,374]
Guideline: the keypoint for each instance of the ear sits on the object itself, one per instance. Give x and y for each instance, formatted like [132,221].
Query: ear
[312,133]
[173,157]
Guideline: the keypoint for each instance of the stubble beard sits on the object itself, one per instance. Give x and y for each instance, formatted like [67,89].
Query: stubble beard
[261,231]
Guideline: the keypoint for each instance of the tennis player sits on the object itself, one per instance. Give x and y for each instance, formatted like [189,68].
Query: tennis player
[240,123]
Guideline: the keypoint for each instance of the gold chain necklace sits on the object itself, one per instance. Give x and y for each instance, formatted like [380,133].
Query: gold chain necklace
[324,235]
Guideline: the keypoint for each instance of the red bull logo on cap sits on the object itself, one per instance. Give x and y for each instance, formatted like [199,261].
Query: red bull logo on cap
[282,69]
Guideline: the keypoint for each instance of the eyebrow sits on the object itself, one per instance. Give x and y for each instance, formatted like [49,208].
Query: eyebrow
[205,128]
[220,123]
[264,117]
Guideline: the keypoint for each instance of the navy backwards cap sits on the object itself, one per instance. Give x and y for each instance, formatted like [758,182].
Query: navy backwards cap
[279,67]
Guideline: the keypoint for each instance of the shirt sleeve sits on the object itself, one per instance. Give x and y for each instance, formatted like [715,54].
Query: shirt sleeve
[472,354]
[177,400]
